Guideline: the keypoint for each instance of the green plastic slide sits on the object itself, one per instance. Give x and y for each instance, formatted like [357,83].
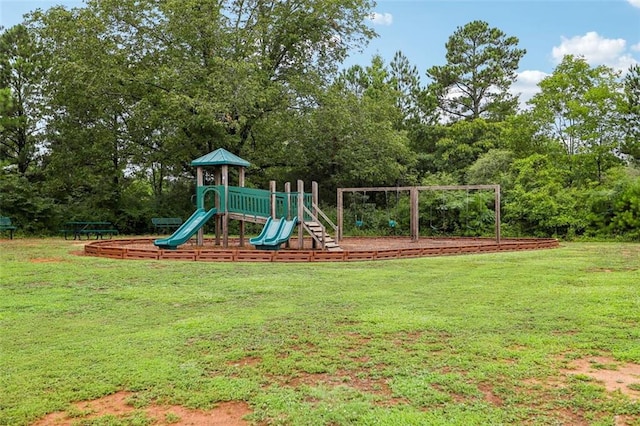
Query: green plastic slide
[274,233]
[186,230]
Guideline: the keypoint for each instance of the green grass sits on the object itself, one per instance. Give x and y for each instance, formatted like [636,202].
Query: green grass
[477,339]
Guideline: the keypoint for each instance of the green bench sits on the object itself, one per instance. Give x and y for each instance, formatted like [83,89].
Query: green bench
[165,223]
[77,229]
[5,225]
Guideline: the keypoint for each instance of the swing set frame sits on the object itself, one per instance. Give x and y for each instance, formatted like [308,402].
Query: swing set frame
[414,195]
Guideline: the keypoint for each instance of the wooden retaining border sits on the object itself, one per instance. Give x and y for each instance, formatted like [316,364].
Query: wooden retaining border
[136,249]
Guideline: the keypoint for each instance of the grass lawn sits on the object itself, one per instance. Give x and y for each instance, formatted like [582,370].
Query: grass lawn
[460,340]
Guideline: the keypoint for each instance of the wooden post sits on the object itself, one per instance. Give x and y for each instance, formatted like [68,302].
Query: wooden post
[340,213]
[272,198]
[314,209]
[217,180]
[241,184]
[414,196]
[287,210]
[300,214]
[497,212]
[314,197]
[225,216]
[199,204]
[287,190]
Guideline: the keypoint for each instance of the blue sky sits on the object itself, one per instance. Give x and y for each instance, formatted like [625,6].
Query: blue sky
[603,31]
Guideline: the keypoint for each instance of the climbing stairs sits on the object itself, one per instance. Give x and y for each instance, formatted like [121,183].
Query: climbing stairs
[320,235]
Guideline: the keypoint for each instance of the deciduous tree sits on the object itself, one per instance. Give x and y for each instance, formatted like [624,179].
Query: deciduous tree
[578,106]
[354,139]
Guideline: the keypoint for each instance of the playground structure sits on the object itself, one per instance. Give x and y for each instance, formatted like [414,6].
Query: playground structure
[280,212]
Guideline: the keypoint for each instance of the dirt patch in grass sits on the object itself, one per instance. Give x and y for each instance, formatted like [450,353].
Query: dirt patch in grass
[342,378]
[46,260]
[250,361]
[566,416]
[117,405]
[609,270]
[374,386]
[613,375]
[489,396]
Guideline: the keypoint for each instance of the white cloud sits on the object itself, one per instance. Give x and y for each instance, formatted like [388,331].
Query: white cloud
[381,18]
[527,84]
[636,47]
[596,50]
[634,3]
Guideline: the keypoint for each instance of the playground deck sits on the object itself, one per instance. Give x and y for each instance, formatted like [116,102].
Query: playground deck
[354,249]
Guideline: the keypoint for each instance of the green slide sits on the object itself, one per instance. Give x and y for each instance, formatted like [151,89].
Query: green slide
[186,231]
[274,233]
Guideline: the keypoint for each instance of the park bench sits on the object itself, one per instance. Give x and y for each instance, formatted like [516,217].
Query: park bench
[5,225]
[77,229]
[165,223]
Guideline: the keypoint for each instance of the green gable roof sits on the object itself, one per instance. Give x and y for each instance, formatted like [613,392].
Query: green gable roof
[220,157]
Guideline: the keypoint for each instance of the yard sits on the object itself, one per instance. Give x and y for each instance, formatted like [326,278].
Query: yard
[538,337]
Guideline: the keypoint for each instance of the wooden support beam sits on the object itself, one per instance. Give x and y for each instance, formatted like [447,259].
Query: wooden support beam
[217,180]
[200,204]
[241,172]
[287,190]
[225,216]
[288,213]
[497,214]
[300,214]
[419,188]
[314,209]
[272,198]
[414,195]
[340,214]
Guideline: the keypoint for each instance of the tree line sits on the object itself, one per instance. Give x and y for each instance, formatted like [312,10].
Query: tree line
[103,107]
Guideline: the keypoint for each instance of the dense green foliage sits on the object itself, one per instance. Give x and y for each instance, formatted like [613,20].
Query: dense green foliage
[103,107]
[462,340]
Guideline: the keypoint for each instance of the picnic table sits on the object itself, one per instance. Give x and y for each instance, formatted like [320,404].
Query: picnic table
[79,228]
[165,223]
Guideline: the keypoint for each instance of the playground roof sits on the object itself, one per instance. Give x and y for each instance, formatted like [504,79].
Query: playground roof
[220,157]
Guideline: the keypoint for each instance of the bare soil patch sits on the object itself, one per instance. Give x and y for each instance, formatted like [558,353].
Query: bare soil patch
[489,396]
[250,361]
[46,260]
[117,405]
[613,375]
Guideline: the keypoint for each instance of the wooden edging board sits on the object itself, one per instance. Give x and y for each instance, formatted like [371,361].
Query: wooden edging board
[134,249]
